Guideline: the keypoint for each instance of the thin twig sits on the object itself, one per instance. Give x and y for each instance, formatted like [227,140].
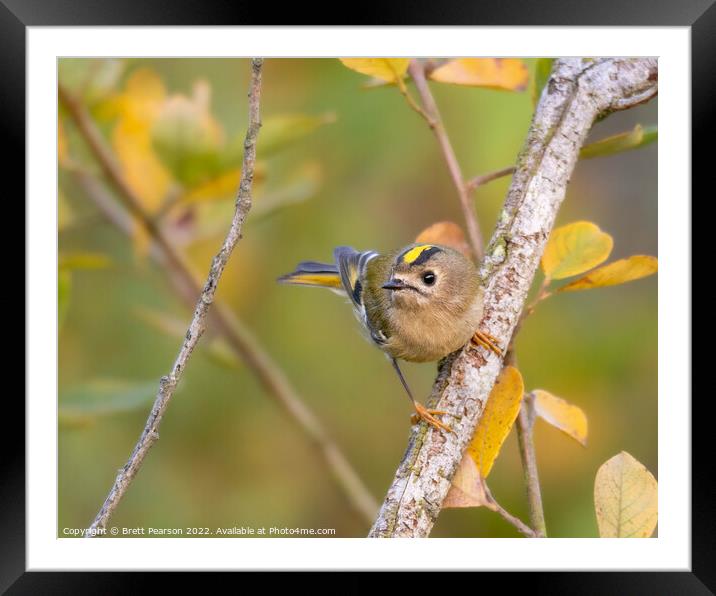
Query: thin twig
[542,294]
[483,179]
[493,505]
[168,383]
[240,339]
[417,72]
[268,372]
[412,103]
[524,424]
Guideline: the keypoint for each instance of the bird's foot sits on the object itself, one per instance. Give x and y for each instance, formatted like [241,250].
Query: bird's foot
[427,414]
[487,341]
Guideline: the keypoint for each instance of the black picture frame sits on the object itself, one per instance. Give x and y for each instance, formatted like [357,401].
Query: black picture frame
[700,15]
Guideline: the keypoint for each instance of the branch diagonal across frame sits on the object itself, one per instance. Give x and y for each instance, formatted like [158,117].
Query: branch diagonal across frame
[168,383]
[578,92]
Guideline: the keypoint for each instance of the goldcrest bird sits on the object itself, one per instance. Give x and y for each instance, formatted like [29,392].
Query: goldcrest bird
[419,303]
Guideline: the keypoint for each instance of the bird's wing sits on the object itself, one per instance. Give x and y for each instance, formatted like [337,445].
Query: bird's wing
[351,265]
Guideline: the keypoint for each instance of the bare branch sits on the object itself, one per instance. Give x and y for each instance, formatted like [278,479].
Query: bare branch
[578,92]
[525,423]
[412,103]
[417,72]
[259,362]
[493,505]
[478,181]
[168,383]
[190,286]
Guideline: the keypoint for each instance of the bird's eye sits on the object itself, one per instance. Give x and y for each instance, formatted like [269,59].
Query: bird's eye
[429,278]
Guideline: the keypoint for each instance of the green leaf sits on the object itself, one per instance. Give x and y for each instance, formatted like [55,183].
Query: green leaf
[302,185]
[92,79]
[65,213]
[217,349]
[543,68]
[222,187]
[64,290]
[84,404]
[187,138]
[283,130]
[83,260]
[625,141]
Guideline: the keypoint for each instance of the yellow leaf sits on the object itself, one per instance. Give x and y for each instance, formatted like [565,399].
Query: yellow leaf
[108,108]
[138,107]
[466,489]
[145,175]
[561,414]
[618,272]
[223,186]
[508,74]
[625,498]
[447,233]
[500,413]
[574,249]
[143,95]
[386,69]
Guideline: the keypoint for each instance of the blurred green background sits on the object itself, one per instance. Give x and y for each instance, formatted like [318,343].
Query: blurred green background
[369,176]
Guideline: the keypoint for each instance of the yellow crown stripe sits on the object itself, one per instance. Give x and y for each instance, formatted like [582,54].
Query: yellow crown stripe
[415,252]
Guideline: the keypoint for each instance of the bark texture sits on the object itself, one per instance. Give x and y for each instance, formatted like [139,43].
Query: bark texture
[578,92]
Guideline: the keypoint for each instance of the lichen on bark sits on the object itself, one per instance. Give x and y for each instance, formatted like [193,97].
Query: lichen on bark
[578,92]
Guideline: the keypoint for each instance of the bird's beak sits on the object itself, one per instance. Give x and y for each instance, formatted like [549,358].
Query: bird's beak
[395,284]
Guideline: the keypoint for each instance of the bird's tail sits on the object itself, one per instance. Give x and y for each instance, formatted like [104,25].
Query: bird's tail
[310,273]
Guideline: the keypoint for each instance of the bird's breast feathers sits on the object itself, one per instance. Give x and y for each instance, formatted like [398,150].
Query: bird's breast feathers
[423,335]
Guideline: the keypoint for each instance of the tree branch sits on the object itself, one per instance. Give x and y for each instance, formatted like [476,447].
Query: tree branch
[478,181]
[417,72]
[189,287]
[524,423]
[260,363]
[168,383]
[579,91]
[492,504]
